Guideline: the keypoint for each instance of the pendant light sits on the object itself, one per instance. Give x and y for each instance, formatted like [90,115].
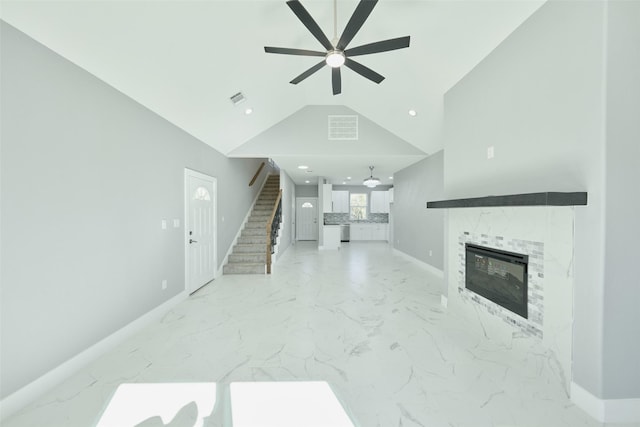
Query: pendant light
[371,181]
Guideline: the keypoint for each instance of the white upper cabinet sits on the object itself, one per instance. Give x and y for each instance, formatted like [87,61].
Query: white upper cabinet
[340,200]
[326,198]
[379,202]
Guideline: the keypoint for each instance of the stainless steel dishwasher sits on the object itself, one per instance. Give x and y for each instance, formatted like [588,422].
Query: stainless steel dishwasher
[345,231]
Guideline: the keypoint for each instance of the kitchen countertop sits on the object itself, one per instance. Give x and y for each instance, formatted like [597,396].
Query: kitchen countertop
[355,222]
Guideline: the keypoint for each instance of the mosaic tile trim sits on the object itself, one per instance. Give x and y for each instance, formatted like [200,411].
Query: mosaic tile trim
[535,292]
[343,218]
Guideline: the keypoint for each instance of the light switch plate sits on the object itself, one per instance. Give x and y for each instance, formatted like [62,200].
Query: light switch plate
[176,223]
[490,152]
[163,224]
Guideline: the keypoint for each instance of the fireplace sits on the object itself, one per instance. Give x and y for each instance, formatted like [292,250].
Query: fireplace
[499,276]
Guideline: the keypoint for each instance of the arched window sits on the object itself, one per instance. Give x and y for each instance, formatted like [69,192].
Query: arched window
[201,193]
[307,205]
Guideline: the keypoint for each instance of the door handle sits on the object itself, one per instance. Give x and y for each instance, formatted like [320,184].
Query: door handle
[193,241]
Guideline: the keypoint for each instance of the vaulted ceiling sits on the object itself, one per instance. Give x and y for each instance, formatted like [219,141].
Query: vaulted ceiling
[185,59]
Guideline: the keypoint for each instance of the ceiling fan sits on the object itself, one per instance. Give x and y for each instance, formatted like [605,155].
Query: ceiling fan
[336,53]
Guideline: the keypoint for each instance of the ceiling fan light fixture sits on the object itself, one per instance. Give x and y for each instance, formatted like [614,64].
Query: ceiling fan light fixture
[371,182]
[335,58]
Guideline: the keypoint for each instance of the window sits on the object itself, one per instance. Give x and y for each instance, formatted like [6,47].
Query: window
[357,206]
[201,193]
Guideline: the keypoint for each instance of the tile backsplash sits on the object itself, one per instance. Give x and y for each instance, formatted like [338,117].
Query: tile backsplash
[343,218]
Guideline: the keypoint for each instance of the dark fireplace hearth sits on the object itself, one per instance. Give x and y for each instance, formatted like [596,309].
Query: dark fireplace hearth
[499,276]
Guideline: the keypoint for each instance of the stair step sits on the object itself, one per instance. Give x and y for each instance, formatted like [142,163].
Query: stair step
[250,248]
[257,224]
[245,240]
[248,268]
[248,257]
[260,215]
[253,232]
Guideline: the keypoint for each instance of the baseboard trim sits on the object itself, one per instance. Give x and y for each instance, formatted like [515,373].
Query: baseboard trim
[27,394]
[435,271]
[606,410]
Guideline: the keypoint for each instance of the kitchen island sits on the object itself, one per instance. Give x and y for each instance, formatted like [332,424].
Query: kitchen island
[331,236]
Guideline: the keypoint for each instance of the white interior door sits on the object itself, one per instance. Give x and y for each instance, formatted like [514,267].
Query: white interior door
[200,230]
[307,218]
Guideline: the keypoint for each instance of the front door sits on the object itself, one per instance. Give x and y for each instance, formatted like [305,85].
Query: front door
[200,230]
[307,218]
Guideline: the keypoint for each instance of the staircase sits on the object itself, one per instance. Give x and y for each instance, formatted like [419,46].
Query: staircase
[249,254]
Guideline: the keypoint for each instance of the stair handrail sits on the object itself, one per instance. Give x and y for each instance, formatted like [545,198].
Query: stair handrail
[275,213]
[253,180]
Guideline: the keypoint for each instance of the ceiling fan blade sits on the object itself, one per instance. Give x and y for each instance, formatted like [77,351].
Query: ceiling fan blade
[360,15]
[383,46]
[363,71]
[336,81]
[287,51]
[307,73]
[309,22]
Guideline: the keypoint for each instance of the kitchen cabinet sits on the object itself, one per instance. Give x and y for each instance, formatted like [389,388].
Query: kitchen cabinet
[340,200]
[379,202]
[326,198]
[369,231]
[360,232]
[380,232]
[390,195]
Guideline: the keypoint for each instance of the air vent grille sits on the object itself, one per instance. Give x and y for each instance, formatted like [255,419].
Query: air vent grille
[343,128]
[237,98]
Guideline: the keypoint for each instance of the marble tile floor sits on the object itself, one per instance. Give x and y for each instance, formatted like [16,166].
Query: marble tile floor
[364,319]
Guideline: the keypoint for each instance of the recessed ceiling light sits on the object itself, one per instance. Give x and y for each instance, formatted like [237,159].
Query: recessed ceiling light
[303,167]
[248,111]
[390,177]
[348,177]
[344,182]
[307,181]
[413,113]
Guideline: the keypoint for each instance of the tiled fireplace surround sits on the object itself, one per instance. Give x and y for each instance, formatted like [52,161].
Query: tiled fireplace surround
[544,233]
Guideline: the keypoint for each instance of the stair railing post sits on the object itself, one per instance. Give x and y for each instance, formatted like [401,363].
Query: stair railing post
[269,230]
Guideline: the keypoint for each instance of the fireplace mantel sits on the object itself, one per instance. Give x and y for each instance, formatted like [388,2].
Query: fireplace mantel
[530,199]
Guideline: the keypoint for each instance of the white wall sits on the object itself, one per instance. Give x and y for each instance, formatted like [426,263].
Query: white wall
[307,128]
[538,99]
[306,191]
[87,176]
[621,343]
[418,230]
